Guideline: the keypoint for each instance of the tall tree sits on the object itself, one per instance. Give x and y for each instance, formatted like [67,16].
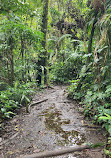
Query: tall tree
[98,9]
[43,58]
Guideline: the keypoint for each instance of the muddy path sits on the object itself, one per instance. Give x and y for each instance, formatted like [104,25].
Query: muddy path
[53,124]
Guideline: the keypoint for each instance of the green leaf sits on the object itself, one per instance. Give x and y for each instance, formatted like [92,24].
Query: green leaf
[23,96]
[103,118]
[109,130]
[3,110]
[107,152]
[27,99]
[107,117]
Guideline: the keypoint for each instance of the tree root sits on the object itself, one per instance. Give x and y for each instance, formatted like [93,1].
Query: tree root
[38,102]
[58,152]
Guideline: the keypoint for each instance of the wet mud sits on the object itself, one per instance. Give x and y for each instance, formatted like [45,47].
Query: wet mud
[53,124]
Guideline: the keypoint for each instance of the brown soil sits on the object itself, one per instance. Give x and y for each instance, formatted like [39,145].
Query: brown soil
[53,124]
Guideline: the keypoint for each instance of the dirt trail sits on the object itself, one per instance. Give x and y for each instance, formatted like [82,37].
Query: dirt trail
[50,125]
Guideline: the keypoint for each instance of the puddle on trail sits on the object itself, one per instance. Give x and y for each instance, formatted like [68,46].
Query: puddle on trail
[54,123]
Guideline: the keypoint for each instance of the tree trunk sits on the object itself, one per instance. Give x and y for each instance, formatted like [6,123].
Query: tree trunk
[11,61]
[42,61]
[91,38]
[22,53]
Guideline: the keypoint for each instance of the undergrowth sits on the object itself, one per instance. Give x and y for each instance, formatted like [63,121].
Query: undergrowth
[14,97]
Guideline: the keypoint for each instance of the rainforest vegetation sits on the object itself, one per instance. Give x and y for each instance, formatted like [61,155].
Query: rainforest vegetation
[56,41]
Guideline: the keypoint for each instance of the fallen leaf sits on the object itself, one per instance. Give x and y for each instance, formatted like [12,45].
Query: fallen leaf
[36,150]
[17,127]
[82,121]
[42,133]
[10,152]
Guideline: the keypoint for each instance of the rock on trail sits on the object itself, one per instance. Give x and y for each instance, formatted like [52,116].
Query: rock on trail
[52,124]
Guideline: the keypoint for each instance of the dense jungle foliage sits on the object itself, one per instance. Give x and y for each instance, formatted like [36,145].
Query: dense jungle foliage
[61,41]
